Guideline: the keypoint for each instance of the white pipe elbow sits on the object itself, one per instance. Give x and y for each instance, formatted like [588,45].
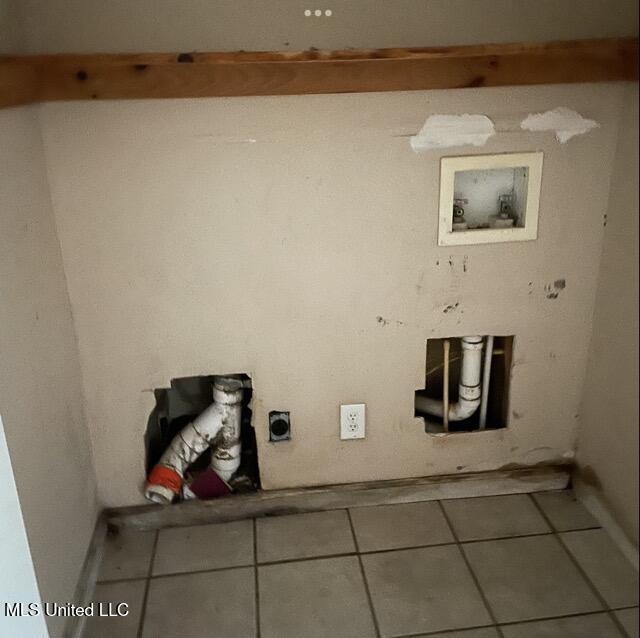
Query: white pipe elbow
[463,409]
[459,411]
[469,385]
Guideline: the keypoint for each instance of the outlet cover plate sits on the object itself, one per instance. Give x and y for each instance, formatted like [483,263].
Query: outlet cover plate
[352,421]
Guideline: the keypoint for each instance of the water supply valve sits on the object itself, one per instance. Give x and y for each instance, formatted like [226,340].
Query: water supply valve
[459,222]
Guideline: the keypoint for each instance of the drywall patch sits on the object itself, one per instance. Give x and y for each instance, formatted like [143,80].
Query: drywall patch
[565,122]
[445,131]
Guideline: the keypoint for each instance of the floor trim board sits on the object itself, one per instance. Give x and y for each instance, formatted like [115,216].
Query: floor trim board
[595,503]
[315,499]
[85,587]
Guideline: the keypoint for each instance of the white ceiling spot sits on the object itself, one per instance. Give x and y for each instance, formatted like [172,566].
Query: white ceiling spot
[318,12]
[307,12]
[328,13]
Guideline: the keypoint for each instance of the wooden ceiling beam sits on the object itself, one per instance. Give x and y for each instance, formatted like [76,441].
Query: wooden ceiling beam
[186,75]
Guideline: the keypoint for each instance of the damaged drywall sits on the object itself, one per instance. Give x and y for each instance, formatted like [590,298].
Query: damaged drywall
[445,131]
[564,122]
[309,267]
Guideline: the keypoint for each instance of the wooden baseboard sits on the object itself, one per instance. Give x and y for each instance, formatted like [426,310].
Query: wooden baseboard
[315,499]
[594,502]
[74,626]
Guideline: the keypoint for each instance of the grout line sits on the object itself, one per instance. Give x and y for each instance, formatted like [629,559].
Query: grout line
[542,513]
[285,561]
[511,623]
[353,531]
[549,522]
[202,571]
[255,577]
[364,577]
[457,541]
[606,608]
[577,529]
[148,582]
[121,580]
[494,620]
[544,618]
[302,559]
[255,540]
[599,597]
[387,551]
[396,549]
[501,538]
[619,625]
[445,632]
[402,549]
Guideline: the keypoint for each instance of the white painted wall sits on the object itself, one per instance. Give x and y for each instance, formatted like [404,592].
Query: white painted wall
[226,25]
[18,584]
[270,235]
[40,390]
[326,223]
[608,444]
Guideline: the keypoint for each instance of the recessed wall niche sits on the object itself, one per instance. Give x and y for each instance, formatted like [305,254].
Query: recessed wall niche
[489,198]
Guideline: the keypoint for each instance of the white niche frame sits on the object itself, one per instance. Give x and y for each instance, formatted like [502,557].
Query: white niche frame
[449,166]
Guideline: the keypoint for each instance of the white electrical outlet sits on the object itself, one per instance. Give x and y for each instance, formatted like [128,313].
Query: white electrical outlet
[352,421]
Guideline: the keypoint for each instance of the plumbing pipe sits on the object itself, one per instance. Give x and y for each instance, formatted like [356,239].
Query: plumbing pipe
[486,378]
[445,385]
[469,388]
[496,352]
[218,426]
[225,459]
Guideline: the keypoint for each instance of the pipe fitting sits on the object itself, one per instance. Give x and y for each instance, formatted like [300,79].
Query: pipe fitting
[469,385]
[217,427]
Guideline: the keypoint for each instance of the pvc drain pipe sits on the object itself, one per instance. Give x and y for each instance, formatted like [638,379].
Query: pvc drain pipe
[469,387]
[218,426]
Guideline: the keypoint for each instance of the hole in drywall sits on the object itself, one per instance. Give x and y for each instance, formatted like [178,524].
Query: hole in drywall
[465,401]
[179,405]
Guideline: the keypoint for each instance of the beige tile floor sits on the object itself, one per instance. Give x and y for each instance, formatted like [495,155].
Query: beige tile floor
[514,566]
